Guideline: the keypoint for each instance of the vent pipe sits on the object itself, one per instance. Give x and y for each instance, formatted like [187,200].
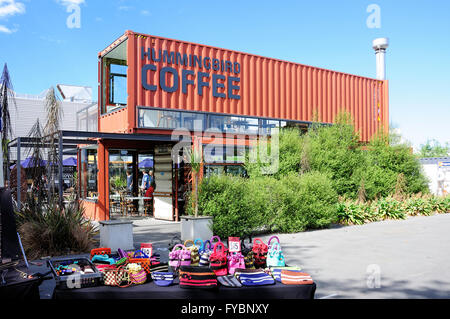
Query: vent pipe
[380,45]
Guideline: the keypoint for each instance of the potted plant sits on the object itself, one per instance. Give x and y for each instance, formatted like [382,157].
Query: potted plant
[193,227]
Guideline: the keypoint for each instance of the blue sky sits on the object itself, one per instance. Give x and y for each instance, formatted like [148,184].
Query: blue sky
[42,51]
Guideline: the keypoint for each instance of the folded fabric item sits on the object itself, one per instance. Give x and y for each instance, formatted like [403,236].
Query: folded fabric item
[238,272]
[163,279]
[197,277]
[159,267]
[103,259]
[276,271]
[256,279]
[291,277]
[229,281]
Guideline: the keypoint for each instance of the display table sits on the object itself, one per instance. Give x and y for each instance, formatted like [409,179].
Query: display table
[152,291]
[19,288]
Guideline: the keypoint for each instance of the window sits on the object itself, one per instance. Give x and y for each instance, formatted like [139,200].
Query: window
[117,84]
[149,118]
[89,171]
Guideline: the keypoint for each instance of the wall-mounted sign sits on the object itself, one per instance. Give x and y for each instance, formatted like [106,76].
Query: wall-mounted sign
[223,86]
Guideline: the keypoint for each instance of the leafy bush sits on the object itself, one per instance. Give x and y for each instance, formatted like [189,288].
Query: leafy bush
[352,212]
[243,206]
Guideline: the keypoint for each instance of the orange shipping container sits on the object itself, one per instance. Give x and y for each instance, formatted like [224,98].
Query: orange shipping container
[173,74]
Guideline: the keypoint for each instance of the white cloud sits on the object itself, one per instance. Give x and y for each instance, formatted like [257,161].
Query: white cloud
[145,12]
[69,2]
[4,29]
[11,8]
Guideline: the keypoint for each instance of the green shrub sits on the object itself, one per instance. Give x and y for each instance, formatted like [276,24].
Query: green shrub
[48,230]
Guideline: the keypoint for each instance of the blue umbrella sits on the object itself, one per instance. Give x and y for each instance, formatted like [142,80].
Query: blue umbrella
[71,161]
[146,163]
[30,162]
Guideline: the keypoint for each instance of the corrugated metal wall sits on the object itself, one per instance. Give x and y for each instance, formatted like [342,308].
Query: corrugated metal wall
[268,88]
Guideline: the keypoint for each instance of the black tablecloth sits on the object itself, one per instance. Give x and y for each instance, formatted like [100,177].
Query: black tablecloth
[152,291]
[19,288]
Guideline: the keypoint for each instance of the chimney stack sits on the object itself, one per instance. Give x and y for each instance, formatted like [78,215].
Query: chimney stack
[380,45]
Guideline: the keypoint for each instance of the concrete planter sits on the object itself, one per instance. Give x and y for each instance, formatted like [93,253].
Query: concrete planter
[116,234]
[196,227]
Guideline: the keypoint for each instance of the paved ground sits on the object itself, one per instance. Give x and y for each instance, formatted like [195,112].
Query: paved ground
[389,259]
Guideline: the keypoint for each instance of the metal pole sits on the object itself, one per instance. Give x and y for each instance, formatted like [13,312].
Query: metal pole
[2,176]
[60,169]
[18,166]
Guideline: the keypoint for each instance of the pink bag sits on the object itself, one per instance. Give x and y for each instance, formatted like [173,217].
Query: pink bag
[235,261]
[218,260]
[179,257]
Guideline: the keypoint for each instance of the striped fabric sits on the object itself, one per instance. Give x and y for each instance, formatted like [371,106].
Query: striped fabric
[276,271]
[204,259]
[259,278]
[197,277]
[159,267]
[290,277]
[163,278]
[229,281]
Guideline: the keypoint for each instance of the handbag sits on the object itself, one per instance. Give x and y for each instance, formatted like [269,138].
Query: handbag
[256,277]
[218,260]
[276,271]
[141,258]
[174,241]
[229,281]
[117,277]
[235,261]
[137,274]
[179,257]
[195,258]
[197,277]
[275,256]
[260,253]
[205,254]
[163,278]
[248,253]
[290,277]
[213,238]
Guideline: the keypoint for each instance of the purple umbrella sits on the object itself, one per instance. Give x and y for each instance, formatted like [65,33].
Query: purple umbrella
[71,161]
[30,162]
[146,163]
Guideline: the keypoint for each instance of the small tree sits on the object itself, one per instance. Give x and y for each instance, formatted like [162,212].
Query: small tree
[195,158]
[6,97]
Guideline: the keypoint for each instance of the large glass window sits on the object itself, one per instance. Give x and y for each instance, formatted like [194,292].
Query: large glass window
[234,124]
[88,178]
[149,118]
[118,84]
[120,168]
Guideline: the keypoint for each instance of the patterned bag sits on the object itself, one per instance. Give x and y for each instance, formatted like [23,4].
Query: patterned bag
[255,278]
[260,253]
[275,256]
[137,274]
[205,254]
[276,271]
[290,277]
[139,257]
[179,257]
[218,260]
[235,261]
[195,258]
[163,278]
[197,277]
[248,253]
[117,277]
[217,238]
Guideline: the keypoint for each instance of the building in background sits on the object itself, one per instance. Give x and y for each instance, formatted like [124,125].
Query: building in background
[437,169]
[150,86]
